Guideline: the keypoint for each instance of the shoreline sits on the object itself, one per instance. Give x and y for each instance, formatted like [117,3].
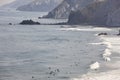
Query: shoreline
[110,60]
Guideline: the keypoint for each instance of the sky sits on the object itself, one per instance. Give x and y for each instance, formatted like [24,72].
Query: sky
[2,2]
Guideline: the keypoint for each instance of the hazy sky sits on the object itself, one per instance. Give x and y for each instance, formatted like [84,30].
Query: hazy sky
[2,2]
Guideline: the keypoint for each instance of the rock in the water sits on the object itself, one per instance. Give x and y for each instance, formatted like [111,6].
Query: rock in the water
[29,22]
[10,23]
[102,34]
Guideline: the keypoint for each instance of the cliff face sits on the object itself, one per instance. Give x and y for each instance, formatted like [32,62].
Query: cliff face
[114,16]
[93,13]
[76,17]
[98,13]
[64,9]
[40,5]
[60,11]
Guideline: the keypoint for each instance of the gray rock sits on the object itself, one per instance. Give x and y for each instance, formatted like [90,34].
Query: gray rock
[64,9]
[90,14]
[104,12]
[114,18]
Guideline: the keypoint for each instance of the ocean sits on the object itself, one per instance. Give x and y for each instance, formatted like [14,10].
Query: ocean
[49,52]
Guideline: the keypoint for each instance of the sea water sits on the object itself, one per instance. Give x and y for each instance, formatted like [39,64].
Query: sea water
[46,52]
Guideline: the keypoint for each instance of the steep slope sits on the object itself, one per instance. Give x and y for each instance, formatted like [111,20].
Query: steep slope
[96,13]
[93,14]
[64,9]
[114,18]
[40,5]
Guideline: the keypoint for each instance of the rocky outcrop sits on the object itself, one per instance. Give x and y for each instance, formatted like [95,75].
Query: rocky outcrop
[40,5]
[98,13]
[76,17]
[64,9]
[91,13]
[29,22]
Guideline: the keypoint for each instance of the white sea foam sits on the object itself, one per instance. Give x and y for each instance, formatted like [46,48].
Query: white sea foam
[85,29]
[95,43]
[113,46]
[112,75]
[108,44]
[107,59]
[95,66]
[107,53]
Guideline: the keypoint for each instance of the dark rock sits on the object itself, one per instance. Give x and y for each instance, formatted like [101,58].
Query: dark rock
[118,33]
[39,17]
[32,76]
[76,17]
[58,70]
[10,23]
[29,22]
[102,34]
[49,68]
[98,13]
[89,15]
[52,73]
